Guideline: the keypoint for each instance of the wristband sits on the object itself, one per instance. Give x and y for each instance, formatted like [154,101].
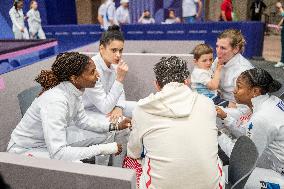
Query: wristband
[119,107]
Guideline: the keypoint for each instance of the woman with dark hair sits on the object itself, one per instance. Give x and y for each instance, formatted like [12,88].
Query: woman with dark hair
[172,18]
[18,20]
[106,101]
[42,132]
[265,125]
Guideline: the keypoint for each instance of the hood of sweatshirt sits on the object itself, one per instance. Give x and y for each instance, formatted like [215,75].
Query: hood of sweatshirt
[175,100]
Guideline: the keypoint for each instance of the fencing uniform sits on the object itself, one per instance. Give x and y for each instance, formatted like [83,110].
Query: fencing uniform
[42,132]
[18,21]
[35,28]
[102,99]
[266,129]
[230,73]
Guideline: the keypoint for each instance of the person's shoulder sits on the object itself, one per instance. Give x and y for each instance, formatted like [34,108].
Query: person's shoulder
[120,8]
[30,12]
[12,10]
[203,102]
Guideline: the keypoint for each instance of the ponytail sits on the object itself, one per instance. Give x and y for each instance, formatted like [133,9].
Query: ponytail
[47,79]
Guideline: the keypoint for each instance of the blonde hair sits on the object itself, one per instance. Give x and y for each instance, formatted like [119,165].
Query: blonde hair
[237,38]
[200,50]
[31,3]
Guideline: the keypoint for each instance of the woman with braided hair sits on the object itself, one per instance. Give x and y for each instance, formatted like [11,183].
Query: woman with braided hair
[265,126]
[42,132]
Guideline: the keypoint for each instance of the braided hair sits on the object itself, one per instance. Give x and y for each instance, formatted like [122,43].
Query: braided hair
[172,69]
[258,77]
[65,65]
[112,33]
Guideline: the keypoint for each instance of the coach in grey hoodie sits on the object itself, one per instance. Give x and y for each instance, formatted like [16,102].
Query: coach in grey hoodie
[177,130]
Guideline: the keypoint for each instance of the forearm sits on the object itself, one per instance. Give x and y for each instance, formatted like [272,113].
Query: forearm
[281,22]
[214,83]
[224,16]
[100,19]
[200,6]
[78,153]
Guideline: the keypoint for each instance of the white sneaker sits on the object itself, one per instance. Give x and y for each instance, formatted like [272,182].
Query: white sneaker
[279,64]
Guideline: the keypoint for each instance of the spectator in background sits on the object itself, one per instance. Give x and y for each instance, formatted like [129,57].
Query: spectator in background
[172,19]
[17,16]
[280,9]
[226,11]
[146,18]
[106,14]
[189,12]
[257,7]
[101,11]
[122,13]
[34,21]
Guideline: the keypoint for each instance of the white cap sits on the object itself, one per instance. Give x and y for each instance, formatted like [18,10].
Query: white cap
[124,1]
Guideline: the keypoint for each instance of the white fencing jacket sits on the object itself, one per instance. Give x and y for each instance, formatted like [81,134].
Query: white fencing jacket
[17,18]
[45,123]
[107,93]
[230,73]
[177,129]
[266,129]
[34,20]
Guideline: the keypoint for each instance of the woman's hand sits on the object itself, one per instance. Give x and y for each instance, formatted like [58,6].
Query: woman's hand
[220,113]
[119,149]
[122,69]
[126,123]
[115,114]
[220,65]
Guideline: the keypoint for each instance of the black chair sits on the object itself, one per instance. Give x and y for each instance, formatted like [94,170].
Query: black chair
[242,162]
[27,97]
[282,96]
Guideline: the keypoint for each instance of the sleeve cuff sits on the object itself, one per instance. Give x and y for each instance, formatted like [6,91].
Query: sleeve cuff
[107,149]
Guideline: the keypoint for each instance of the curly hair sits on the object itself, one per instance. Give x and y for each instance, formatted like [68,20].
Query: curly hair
[172,69]
[65,65]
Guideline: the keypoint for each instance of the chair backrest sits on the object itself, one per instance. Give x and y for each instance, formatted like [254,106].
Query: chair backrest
[282,96]
[26,98]
[242,162]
